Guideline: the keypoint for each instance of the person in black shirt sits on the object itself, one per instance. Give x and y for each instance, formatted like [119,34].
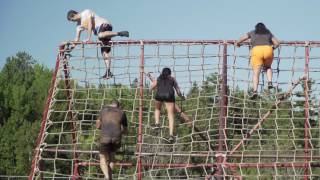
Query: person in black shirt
[113,123]
[165,85]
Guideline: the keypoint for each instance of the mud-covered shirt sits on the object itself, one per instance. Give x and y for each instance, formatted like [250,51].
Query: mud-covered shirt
[111,121]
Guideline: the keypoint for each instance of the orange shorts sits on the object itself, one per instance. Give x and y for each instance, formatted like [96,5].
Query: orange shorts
[261,56]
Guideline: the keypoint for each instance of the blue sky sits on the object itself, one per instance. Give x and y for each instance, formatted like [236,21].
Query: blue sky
[38,26]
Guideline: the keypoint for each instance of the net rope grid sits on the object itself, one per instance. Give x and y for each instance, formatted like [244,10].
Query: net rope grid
[220,132]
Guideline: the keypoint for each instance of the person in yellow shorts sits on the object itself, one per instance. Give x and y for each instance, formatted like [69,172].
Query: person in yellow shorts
[263,43]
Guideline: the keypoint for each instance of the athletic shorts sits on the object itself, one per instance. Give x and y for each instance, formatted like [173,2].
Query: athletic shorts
[161,99]
[261,56]
[105,41]
[109,147]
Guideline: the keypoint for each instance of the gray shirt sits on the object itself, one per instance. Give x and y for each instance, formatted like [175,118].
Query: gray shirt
[260,39]
[111,121]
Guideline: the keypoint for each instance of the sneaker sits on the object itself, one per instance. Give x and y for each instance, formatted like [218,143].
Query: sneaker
[123,33]
[270,86]
[156,126]
[107,75]
[171,139]
[254,95]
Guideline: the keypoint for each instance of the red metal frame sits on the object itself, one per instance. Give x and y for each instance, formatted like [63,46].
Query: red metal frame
[44,117]
[139,174]
[189,41]
[306,110]
[215,165]
[221,160]
[223,112]
[202,154]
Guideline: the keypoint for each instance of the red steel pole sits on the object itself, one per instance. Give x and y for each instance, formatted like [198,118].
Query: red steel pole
[36,156]
[190,41]
[228,165]
[306,111]
[140,111]
[223,112]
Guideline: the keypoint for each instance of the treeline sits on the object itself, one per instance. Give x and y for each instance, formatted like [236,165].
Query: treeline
[23,89]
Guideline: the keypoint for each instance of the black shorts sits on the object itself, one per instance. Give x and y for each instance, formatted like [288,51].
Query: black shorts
[161,99]
[109,147]
[105,41]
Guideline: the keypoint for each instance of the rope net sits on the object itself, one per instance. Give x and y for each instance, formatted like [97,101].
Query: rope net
[220,131]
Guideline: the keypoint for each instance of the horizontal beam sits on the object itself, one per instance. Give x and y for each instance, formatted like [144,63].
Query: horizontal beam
[199,154]
[230,165]
[186,41]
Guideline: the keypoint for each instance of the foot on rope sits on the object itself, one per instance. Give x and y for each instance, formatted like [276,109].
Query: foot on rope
[273,93]
[172,139]
[107,75]
[270,86]
[156,126]
[253,95]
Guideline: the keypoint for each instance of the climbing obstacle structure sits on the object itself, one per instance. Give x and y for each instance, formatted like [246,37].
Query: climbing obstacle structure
[221,133]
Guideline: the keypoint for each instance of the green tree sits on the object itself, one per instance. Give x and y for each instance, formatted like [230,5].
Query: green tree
[23,90]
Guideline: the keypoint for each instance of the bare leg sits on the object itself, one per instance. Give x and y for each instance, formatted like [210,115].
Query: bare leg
[110,165]
[256,75]
[107,34]
[170,110]
[107,59]
[157,111]
[111,156]
[269,74]
[104,164]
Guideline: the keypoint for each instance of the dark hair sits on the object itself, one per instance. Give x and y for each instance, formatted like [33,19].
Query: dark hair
[115,103]
[71,13]
[261,29]
[166,72]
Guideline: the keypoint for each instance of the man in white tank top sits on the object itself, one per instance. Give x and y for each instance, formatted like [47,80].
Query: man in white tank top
[101,27]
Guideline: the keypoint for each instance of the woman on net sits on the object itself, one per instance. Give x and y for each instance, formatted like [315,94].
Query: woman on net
[263,43]
[165,85]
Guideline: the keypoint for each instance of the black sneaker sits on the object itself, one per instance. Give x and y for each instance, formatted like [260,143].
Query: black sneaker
[107,75]
[172,139]
[254,95]
[123,33]
[156,126]
[270,86]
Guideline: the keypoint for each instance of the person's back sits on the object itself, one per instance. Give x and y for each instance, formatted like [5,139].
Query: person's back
[165,84]
[260,39]
[111,121]
[263,43]
[165,89]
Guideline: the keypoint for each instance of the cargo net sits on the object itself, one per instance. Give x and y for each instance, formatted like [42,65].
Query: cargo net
[220,131]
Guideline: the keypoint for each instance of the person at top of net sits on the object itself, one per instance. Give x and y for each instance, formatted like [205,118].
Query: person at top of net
[165,85]
[101,27]
[113,123]
[263,43]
